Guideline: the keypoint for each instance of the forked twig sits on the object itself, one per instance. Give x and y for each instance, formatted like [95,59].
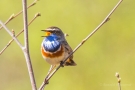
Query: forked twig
[119,80]
[14,16]
[9,43]
[79,45]
[26,46]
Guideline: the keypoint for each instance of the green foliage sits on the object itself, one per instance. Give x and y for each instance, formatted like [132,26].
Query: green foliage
[109,50]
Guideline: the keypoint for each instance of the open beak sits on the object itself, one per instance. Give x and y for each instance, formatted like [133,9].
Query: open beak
[47,33]
[44,30]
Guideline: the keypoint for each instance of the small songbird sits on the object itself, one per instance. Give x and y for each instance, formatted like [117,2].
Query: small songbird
[55,48]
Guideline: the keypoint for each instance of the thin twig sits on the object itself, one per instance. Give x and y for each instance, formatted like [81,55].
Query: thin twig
[26,46]
[11,34]
[79,45]
[14,16]
[119,80]
[9,19]
[9,43]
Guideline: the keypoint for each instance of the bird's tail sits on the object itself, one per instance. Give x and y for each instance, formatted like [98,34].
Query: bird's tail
[70,62]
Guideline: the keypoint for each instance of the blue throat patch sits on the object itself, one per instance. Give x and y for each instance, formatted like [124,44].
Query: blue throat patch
[51,44]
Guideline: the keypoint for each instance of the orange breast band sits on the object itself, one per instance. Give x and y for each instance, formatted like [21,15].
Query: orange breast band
[52,55]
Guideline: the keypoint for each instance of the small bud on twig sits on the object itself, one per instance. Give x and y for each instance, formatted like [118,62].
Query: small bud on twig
[107,20]
[17,34]
[119,79]
[13,33]
[37,14]
[66,35]
[117,75]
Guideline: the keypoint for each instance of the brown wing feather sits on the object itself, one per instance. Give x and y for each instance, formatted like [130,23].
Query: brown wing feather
[70,61]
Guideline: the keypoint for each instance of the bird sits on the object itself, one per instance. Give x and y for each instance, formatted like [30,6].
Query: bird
[55,48]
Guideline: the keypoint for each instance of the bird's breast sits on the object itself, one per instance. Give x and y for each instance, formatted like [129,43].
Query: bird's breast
[52,50]
[55,57]
[48,54]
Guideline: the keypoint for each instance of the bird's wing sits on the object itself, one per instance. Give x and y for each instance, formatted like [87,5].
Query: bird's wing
[68,49]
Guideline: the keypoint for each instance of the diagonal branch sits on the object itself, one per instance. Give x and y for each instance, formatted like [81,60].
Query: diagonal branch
[79,45]
[26,46]
[14,16]
[9,43]
[11,34]
[26,53]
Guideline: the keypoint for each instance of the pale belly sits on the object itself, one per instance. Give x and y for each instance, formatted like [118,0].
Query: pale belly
[56,60]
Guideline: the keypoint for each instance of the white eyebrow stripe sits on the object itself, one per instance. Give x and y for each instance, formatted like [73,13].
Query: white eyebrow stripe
[51,29]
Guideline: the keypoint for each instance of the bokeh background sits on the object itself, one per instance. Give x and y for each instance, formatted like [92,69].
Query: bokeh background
[110,50]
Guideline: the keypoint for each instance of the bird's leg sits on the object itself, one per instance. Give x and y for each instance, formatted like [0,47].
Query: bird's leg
[61,64]
[49,72]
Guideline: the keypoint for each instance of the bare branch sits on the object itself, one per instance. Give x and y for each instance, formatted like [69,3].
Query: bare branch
[119,80]
[26,47]
[14,16]
[10,18]
[11,34]
[79,45]
[9,43]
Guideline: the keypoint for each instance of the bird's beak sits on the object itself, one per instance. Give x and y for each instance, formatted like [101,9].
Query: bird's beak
[44,30]
[47,33]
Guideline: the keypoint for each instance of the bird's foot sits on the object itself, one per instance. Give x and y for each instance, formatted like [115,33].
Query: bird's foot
[61,63]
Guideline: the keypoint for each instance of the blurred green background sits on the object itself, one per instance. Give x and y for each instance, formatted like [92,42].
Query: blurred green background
[110,50]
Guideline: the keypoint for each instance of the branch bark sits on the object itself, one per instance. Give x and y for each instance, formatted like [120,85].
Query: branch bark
[9,43]
[11,34]
[14,16]
[26,46]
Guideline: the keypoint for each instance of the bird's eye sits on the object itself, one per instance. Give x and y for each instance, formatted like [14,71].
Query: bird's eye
[54,32]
